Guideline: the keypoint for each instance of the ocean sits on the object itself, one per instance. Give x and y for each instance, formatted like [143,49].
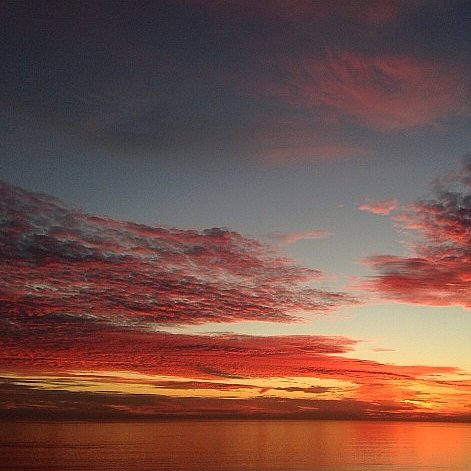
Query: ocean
[258,445]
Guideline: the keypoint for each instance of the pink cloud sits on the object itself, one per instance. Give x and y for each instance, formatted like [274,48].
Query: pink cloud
[438,271]
[285,238]
[383,207]
[384,92]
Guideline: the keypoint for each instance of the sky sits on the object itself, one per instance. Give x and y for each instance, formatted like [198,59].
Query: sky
[235,209]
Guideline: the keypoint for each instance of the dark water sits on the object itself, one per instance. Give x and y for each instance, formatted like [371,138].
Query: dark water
[236,445]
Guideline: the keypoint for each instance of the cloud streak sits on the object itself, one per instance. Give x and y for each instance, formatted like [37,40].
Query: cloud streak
[223,374]
[382,207]
[34,403]
[286,238]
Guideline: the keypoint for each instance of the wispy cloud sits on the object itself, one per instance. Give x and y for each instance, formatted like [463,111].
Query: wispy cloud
[285,238]
[385,92]
[383,207]
[438,271]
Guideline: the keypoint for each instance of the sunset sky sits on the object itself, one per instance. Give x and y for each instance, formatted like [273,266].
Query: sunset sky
[235,208]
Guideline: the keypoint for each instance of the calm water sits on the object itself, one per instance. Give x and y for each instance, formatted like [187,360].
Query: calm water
[236,445]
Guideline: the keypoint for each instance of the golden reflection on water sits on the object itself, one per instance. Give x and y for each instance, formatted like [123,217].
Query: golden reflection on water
[236,445]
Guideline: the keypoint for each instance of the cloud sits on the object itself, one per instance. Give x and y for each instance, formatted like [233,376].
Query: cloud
[62,262]
[61,345]
[308,390]
[385,92]
[163,101]
[67,344]
[92,366]
[81,293]
[383,207]
[438,271]
[285,238]
[204,86]
[26,402]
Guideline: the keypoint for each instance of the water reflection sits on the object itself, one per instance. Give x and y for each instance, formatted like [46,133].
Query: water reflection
[236,445]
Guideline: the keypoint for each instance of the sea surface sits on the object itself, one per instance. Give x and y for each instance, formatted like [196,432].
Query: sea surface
[257,445]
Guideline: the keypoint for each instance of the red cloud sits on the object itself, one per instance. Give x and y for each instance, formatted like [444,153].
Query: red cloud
[385,92]
[439,270]
[221,363]
[383,207]
[66,345]
[57,261]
